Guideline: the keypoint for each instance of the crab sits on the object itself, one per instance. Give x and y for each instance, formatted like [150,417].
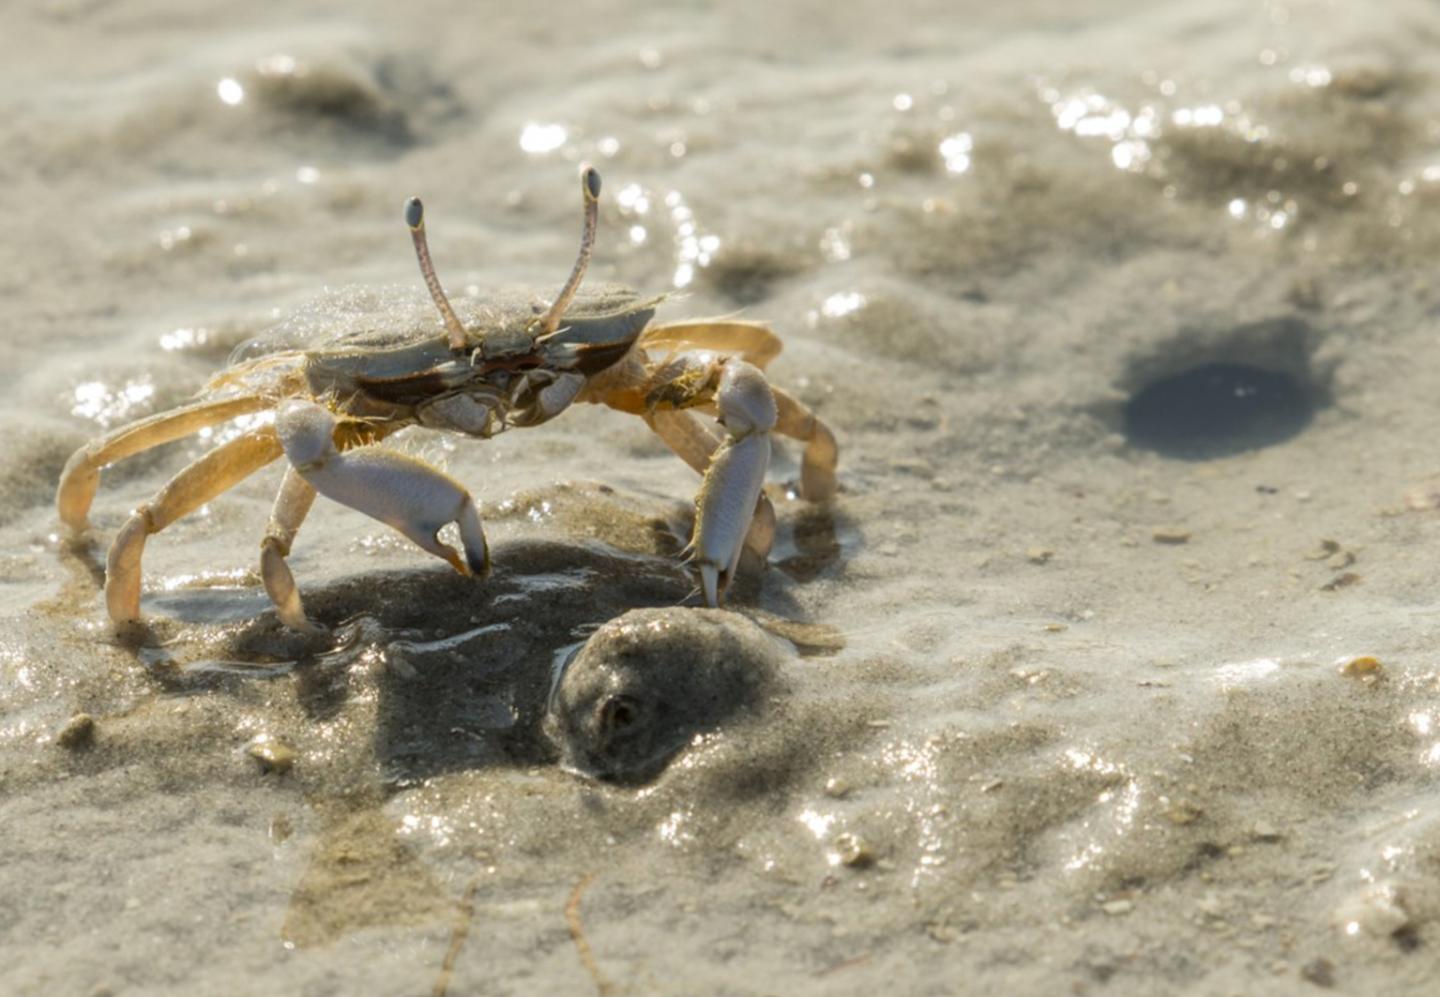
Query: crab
[518,362]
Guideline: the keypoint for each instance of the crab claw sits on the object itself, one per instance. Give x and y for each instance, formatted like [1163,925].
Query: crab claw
[735,477]
[397,490]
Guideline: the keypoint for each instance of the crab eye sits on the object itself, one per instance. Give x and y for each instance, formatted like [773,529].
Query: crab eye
[591,177]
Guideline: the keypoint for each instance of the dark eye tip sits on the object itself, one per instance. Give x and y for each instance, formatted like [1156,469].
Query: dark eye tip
[591,177]
[414,212]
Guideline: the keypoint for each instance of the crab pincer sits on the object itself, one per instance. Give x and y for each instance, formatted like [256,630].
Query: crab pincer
[736,475]
[399,491]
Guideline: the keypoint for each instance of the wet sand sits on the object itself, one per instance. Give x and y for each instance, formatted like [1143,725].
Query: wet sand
[1077,694]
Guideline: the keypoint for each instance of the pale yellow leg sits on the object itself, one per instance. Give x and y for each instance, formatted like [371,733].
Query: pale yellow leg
[200,482]
[761,535]
[82,472]
[817,466]
[753,342]
[689,438]
[292,505]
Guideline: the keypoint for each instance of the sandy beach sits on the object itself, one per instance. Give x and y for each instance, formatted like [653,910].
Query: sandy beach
[1111,669]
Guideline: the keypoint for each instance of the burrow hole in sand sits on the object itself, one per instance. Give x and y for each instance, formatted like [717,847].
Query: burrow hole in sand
[1251,388]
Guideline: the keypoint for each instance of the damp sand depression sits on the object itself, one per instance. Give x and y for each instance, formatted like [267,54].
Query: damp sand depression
[1080,691]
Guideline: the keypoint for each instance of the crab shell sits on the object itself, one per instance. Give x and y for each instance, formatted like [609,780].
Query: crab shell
[507,375]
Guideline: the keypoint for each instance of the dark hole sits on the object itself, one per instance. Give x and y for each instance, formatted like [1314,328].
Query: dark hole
[620,712]
[1217,410]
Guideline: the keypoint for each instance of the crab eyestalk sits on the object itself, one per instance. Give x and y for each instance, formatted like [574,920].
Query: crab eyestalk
[415,218]
[590,194]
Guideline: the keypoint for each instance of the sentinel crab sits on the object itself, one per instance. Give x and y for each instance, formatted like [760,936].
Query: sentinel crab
[515,364]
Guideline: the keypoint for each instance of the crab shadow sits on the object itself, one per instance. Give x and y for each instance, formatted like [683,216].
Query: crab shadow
[450,673]
[463,669]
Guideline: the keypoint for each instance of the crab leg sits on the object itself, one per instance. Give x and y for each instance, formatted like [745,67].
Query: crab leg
[399,491]
[817,466]
[685,435]
[733,481]
[216,472]
[82,472]
[754,342]
[292,504]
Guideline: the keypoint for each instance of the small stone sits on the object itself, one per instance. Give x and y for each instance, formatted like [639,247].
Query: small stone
[1364,666]
[280,828]
[837,788]
[1184,812]
[1379,910]
[1116,908]
[1320,972]
[399,665]
[1340,581]
[272,756]
[1263,830]
[78,733]
[854,851]
[1170,535]
[1039,555]
[1211,905]
[942,932]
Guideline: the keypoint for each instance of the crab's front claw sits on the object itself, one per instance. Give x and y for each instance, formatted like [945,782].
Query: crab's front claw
[735,477]
[399,491]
